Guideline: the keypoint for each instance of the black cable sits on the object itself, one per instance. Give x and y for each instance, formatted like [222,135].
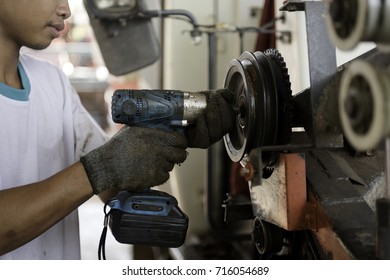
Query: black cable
[102,242]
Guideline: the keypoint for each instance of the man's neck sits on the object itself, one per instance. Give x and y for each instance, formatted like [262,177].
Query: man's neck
[9,74]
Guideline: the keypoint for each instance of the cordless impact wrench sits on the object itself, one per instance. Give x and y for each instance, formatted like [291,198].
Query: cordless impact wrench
[167,109]
[152,217]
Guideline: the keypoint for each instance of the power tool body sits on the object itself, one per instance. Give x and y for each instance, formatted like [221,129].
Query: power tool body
[166,109]
[153,217]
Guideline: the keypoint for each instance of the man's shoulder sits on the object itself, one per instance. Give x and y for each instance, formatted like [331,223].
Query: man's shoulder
[28,60]
[39,69]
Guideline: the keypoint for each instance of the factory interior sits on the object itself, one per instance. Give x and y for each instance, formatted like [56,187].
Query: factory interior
[305,173]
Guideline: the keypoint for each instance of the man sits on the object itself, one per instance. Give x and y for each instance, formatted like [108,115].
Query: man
[44,130]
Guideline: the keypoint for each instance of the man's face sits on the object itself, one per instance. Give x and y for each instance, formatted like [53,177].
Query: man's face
[32,23]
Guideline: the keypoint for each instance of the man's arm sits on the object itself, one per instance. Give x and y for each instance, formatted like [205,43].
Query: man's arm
[28,211]
[134,159]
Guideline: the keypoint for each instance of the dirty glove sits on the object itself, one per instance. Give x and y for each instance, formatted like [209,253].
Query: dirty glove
[215,122]
[134,159]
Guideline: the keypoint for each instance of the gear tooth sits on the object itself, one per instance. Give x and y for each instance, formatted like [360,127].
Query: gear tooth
[279,62]
[267,171]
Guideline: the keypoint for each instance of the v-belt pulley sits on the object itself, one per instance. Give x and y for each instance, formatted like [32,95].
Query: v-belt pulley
[262,90]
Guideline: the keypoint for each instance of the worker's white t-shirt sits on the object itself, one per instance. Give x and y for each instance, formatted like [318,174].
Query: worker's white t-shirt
[44,129]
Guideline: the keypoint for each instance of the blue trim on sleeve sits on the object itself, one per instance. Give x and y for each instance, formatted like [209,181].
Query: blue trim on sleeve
[15,93]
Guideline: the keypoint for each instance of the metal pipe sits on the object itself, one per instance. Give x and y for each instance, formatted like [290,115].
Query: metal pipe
[387,171]
[168,13]
[195,33]
[212,44]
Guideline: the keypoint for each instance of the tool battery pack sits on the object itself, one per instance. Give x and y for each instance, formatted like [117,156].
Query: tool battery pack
[149,218]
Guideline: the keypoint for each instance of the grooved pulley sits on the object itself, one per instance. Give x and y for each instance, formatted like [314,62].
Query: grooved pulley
[263,102]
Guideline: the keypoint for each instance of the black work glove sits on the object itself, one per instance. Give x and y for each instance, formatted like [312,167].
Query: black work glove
[215,122]
[135,159]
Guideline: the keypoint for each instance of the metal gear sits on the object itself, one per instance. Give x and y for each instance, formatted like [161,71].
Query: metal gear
[285,109]
[284,93]
[262,90]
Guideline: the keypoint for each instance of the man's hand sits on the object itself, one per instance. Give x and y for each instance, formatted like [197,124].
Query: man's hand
[217,120]
[135,159]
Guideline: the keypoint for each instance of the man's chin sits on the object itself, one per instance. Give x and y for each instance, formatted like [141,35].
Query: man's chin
[39,45]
